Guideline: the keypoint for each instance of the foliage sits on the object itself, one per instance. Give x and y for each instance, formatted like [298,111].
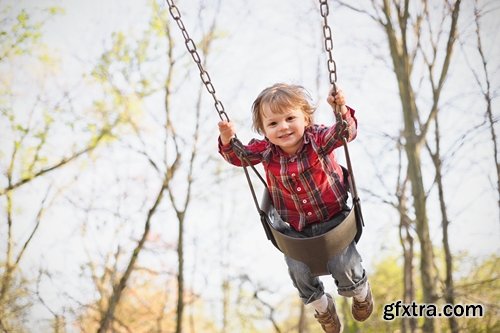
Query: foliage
[16,304]
[481,286]
[21,154]
[148,305]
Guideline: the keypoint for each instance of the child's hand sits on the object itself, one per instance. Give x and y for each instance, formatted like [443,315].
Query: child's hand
[227,131]
[337,101]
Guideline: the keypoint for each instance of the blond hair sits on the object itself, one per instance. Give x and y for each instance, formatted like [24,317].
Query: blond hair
[279,98]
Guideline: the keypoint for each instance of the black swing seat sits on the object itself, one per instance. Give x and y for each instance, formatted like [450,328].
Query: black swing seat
[313,251]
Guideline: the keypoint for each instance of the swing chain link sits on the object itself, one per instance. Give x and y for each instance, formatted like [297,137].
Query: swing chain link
[343,131]
[191,47]
[327,34]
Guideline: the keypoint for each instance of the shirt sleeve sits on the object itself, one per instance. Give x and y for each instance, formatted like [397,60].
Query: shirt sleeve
[328,137]
[253,152]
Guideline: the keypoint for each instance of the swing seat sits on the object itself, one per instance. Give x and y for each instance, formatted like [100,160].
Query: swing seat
[312,251]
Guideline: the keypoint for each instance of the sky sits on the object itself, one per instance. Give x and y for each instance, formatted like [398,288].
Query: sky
[263,42]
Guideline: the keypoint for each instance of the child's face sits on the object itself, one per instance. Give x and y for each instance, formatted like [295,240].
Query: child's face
[285,129]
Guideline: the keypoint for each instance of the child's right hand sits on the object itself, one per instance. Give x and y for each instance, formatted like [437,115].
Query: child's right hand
[227,131]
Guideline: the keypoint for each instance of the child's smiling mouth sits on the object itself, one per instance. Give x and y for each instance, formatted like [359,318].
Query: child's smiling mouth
[284,136]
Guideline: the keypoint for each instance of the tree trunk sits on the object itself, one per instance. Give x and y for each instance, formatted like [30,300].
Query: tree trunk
[302,325]
[181,213]
[412,149]
[449,292]
[488,97]
[422,225]
[114,299]
[407,243]
[180,276]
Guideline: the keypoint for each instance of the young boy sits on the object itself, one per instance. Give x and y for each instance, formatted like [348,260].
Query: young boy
[307,188]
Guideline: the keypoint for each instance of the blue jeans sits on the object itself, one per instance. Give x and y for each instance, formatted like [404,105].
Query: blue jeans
[345,268]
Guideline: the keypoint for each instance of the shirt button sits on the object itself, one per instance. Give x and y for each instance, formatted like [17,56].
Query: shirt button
[293,175]
[304,201]
[299,189]
[309,213]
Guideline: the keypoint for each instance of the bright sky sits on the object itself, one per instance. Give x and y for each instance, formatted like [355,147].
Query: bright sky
[269,41]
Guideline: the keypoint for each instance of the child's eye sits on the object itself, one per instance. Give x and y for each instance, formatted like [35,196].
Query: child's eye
[271,124]
[290,118]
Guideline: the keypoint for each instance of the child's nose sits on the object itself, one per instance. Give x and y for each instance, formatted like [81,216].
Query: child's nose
[283,125]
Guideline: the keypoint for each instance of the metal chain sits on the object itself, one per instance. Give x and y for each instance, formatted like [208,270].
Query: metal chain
[219,107]
[327,34]
[205,76]
[191,47]
[342,132]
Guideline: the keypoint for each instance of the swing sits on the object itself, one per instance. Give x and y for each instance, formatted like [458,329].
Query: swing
[313,251]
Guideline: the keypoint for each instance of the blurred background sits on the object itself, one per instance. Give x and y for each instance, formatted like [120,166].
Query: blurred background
[117,214]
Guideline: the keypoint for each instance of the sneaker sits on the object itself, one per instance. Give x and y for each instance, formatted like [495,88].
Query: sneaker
[362,310]
[329,320]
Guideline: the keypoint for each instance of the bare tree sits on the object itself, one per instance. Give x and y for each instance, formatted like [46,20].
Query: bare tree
[486,84]
[436,155]
[404,24]
[22,37]
[166,171]
[449,290]
[171,166]
[406,231]
[263,307]
[437,87]
[183,207]
[28,137]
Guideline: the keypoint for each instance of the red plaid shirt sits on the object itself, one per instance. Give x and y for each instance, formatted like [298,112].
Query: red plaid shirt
[305,188]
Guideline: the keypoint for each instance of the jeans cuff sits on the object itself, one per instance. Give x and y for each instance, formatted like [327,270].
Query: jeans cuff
[354,289]
[315,296]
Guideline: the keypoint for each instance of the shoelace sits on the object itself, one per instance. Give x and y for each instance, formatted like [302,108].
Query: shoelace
[325,318]
[361,305]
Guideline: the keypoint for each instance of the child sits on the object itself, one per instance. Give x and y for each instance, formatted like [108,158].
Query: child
[307,188]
